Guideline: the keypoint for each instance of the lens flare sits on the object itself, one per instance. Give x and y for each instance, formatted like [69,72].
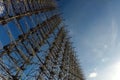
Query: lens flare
[116,71]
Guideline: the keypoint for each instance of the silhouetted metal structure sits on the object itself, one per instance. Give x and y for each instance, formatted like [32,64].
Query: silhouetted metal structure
[35,45]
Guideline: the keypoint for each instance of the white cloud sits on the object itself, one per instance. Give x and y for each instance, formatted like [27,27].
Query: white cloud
[93,75]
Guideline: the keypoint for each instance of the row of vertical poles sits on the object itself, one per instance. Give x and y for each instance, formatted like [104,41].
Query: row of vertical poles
[33,31]
[74,72]
[43,51]
[15,9]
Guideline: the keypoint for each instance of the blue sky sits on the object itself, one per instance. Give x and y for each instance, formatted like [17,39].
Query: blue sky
[94,27]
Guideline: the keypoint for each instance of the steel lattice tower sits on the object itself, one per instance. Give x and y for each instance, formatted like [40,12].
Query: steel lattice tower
[35,42]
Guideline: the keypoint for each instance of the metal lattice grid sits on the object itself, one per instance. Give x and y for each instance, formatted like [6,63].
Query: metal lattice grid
[34,43]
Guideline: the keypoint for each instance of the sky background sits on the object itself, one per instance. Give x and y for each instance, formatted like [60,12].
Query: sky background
[94,28]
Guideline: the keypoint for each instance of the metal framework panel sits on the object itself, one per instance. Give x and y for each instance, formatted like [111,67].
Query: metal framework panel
[34,44]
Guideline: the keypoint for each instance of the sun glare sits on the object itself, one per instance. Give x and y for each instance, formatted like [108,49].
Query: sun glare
[116,71]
